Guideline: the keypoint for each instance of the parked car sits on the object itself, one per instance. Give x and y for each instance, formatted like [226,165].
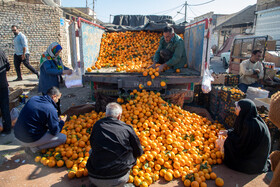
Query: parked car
[225,58]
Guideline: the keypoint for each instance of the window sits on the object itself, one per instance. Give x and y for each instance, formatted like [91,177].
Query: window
[247,47]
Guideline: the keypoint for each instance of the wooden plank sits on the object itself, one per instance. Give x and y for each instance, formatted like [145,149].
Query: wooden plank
[15,94]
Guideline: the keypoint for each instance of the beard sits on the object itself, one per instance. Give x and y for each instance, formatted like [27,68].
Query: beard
[15,33]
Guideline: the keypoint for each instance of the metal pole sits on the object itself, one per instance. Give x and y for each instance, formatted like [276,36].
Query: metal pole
[110,18]
[186,7]
[93,5]
[86,4]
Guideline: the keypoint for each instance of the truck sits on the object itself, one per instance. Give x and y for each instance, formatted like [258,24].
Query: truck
[242,48]
[114,83]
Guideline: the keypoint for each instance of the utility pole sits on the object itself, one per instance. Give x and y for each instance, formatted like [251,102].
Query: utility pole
[186,7]
[93,5]
[86,4]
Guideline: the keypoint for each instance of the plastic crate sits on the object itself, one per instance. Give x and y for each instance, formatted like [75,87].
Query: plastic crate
[232,80]
[231,93]
[200,98]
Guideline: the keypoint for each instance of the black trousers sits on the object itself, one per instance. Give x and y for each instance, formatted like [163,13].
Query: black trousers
[17,62]
[4,106]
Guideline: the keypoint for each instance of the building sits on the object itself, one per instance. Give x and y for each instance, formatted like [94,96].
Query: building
[241,22]
[268,19]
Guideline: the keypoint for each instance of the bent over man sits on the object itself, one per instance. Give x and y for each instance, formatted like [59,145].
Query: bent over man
[171,51]
[115,148]
[38,126]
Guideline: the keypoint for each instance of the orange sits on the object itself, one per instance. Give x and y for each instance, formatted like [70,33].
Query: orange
[37,159]
[51,163]
[168,176]
[82,144]
[203,184]
[213,176]
[141,86]
[162,83]
[149,83]
[194,184]
[187,183]
[60,163]
[219,182]
[71,174]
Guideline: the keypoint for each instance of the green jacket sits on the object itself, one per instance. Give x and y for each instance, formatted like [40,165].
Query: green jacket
[177,47]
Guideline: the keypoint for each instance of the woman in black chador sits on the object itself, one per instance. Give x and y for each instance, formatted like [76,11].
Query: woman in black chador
[247,146]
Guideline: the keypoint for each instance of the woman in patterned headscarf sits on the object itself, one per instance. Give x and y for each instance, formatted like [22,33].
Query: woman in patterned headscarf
[51,69]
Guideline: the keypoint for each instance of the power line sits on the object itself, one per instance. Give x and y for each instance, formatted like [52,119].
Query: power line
[192,11]
[202,3]
[165,11]
[179,12]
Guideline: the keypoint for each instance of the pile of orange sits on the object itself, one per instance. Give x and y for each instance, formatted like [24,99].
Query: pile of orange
[176,143]
[127,51]
[75,152]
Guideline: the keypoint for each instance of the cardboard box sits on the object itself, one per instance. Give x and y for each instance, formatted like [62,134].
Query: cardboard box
[218,78]
[262,102]
[272,56]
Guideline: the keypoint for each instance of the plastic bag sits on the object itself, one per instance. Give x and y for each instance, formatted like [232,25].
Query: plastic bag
[74,80]
[14,116]
[206,81]
[220,143]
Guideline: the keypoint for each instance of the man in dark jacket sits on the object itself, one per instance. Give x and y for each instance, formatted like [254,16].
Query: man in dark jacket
[171,51]
[4,93]
[115,148]
[38,126]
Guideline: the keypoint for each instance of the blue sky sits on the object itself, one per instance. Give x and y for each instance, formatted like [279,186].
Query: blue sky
[105,8]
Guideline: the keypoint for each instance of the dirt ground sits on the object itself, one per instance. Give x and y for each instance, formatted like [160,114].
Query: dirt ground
[19,169]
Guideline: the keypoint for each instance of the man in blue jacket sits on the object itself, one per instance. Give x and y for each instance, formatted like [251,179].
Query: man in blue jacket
[38,126]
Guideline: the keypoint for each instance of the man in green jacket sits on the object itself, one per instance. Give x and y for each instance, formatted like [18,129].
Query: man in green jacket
[171,51]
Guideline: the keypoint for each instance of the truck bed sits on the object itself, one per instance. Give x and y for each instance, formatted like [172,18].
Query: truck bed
[109,75]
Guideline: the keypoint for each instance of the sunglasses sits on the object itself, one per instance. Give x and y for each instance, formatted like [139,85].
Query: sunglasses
[14,30]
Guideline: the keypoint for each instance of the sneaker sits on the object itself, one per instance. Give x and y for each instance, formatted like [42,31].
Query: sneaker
[18,79]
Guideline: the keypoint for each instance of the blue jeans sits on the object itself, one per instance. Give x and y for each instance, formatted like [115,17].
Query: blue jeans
[243,87]
[4,106]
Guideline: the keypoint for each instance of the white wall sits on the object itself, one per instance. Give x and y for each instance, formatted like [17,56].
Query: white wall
[268,23]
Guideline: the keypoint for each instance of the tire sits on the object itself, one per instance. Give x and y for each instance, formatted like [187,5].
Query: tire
[225,64]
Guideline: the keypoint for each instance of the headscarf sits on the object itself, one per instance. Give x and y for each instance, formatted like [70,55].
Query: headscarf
[49,54]
[248,112]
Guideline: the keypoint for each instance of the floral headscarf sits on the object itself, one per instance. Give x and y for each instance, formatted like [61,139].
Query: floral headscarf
[50,54]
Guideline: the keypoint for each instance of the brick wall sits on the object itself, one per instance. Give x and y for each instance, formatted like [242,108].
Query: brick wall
[40,24]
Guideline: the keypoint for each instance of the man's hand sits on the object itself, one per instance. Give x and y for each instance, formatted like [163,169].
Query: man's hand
[23,56]
[63,118]
[257,71]
[162,67]
[152,66]
[68,72]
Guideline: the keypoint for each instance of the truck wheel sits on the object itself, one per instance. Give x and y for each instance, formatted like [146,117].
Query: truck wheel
[225,64]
